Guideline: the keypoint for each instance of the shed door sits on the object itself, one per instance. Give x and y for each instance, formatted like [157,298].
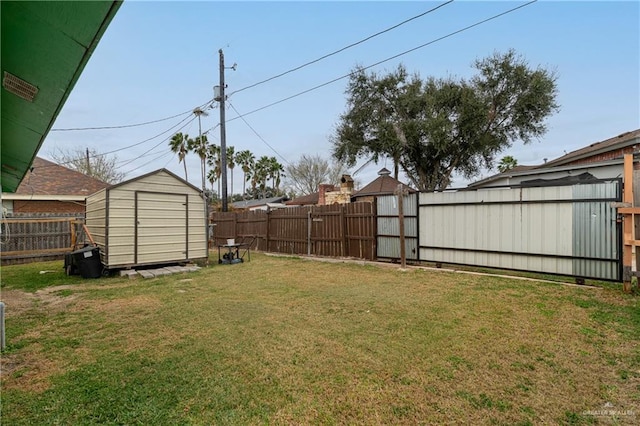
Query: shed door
[161,227]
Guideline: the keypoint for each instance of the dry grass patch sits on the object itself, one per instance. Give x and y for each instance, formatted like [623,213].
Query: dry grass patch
[284,341]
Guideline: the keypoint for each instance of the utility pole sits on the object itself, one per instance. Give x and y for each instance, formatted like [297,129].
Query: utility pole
[223,136]
[223,132]
[198,112]
[88,164]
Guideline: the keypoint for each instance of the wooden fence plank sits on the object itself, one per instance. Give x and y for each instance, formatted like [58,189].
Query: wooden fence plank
[28,238]
[336,230]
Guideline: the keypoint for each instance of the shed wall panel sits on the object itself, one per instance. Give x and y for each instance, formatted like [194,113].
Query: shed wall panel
[168,201]
[96,217]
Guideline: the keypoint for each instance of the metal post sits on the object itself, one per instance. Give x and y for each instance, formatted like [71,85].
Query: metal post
[309,232]
[223,136]
[2,340]
[403,249]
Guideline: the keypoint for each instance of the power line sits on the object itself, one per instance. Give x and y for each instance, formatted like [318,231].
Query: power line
[155,146]
[257,134]
[344,48]
[126,147]
[151,138]
[163,154]
[124,126]
[387,59]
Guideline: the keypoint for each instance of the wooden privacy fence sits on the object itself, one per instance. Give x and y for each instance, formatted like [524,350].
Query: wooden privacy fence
[30,239]
[339,230]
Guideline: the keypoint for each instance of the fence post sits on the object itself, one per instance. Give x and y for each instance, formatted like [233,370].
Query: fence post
[266,238]
[343,230]
[235,226]
[2,340]
[309,232]
[403,249]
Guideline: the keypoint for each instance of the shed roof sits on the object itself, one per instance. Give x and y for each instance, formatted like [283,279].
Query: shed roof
[48,178]
[154,173]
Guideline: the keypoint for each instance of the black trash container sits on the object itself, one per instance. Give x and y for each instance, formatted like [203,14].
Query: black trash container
[87,261]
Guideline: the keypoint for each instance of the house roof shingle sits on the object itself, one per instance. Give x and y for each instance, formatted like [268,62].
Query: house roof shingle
[260,202]
[305,200]
[48,178]
[621,141]
[615,142]
[384,184]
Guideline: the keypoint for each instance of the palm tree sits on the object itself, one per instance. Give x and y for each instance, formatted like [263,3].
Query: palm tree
[276,173]
[261,173]
[214,159]
[199,146]
[231,159]
[179,145]
[507,163]
[211,177]
[246,160]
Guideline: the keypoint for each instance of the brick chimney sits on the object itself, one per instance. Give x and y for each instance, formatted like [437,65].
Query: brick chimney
[346,184]
[324,188]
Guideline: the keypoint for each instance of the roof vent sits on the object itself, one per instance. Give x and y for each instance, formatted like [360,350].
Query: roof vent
[19,87]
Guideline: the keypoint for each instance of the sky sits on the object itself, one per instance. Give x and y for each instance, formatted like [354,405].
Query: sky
[161,59]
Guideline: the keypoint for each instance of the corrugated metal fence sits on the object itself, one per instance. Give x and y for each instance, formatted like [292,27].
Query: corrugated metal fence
[33,238]
[568,230]
[340,230]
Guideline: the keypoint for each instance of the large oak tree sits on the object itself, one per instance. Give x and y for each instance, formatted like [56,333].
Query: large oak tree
[439,126]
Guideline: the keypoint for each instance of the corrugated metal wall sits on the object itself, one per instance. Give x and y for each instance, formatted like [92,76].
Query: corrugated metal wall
[388,226]
[568,230]
[596,238]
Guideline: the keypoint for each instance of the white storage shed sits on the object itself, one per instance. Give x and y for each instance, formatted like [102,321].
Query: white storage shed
[156,218]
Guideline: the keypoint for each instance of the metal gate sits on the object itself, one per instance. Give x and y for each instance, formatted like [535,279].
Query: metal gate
[388,226]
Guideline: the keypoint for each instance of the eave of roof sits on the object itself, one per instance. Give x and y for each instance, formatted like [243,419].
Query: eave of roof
[621,141]
[47,45]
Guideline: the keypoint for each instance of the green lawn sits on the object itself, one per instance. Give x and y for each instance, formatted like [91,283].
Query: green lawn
[291,341]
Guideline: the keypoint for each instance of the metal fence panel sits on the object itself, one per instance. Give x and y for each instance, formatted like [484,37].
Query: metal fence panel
[564,230]
[388,226]
[596,234]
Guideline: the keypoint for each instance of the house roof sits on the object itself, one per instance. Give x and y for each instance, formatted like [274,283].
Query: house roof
[384,184]
[616,142]
[48,178]
[621,141]
[305,200]
[255,203]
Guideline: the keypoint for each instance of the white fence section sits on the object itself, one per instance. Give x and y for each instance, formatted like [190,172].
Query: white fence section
[567,230]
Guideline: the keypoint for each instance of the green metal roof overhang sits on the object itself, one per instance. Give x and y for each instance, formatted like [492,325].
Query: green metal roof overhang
[45,47]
